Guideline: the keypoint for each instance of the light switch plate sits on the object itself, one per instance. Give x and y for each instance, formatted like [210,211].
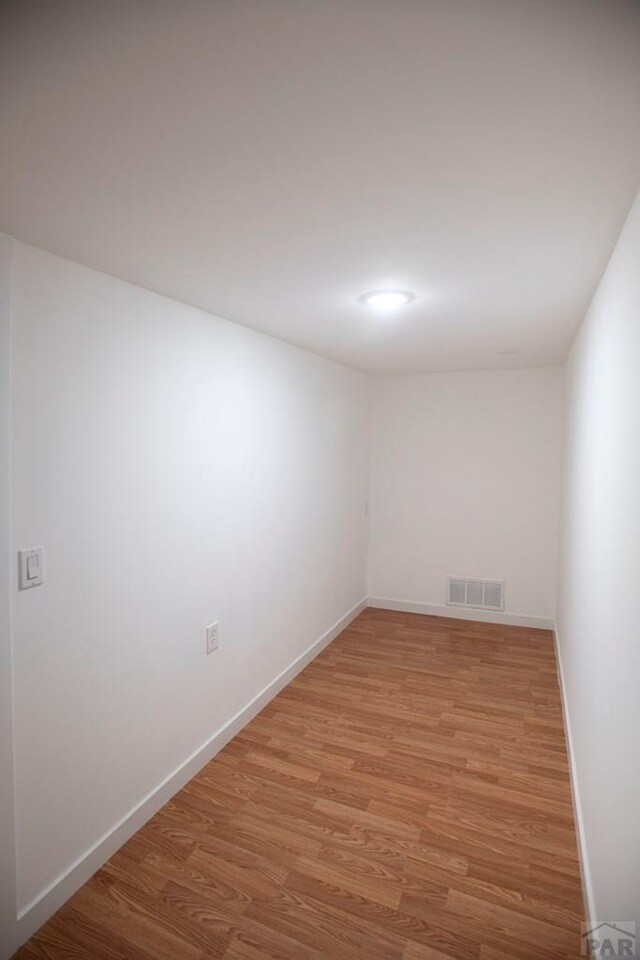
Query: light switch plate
[30,568]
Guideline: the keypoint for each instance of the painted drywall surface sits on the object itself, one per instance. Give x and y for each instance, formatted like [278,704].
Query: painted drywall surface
[598,629]
[465,482]
[177,469]
[7,832]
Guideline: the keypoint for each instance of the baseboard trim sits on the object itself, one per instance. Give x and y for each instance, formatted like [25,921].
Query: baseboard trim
[591,915]
[64,886]
[459,613]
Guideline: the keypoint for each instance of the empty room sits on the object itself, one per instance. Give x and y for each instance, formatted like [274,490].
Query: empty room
[319,479]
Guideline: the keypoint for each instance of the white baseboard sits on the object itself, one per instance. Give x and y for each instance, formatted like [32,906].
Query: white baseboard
[591,915]
[64,886]
[460,613]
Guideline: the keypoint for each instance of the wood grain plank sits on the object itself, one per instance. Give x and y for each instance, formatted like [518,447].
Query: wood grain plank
[406,797]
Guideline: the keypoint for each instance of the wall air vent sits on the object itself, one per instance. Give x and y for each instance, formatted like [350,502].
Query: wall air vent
[479,594]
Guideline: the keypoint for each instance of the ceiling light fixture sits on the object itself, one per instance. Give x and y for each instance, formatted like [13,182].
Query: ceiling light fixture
[387,300]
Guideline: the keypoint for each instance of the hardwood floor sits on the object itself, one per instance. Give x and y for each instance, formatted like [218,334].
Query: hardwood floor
[406,797]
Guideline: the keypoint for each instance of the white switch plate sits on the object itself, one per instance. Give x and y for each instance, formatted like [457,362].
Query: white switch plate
[212,637]
[30,568]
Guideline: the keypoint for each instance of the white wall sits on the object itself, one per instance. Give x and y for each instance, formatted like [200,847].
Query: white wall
[177,469]
[7,833]
[465,482]
[598,622]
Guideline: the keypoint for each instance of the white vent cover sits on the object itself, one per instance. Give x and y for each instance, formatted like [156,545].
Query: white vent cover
[481,594]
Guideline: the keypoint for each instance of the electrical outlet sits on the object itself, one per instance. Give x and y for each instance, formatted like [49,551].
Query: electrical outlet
[212,637]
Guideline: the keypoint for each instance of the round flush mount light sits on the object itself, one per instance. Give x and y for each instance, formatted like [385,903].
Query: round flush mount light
[387,300]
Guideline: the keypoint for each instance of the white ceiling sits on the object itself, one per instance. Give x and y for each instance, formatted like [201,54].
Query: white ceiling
[271,160]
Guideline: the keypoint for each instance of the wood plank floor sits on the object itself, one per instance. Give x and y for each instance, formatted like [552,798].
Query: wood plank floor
[406,797]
